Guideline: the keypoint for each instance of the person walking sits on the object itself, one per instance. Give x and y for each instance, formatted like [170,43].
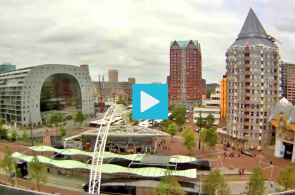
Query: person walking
[271,183]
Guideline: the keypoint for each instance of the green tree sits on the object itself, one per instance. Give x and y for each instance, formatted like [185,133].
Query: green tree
[211,138]
[169,185]
[164,124]
[1,123]
[178,110]
[79,117]
[13,135]
[25,137]
[37,171]
[256,186]
[179,120]
[120,101]
[179,114]
[210,120]
[3,133]
[56,119]
[200,122]
[287,178]
[189,140]
[185,131]
[8,165]
[216,184]
[62,131]
[172,130]
[202,137]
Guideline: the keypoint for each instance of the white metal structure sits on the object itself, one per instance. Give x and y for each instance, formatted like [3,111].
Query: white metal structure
[97,158]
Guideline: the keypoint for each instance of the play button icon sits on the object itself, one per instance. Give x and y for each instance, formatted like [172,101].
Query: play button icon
[147,101]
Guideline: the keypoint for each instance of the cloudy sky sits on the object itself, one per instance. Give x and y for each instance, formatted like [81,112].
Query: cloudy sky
[133,36]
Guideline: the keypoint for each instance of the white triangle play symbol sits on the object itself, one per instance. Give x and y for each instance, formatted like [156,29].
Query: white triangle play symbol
[147,101]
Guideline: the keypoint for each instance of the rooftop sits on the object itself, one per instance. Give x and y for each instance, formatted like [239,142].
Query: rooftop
[253,33]
[109,168]
[185,43]
[128,131]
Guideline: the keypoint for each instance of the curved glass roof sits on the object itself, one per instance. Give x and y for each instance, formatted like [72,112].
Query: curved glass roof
[109,168]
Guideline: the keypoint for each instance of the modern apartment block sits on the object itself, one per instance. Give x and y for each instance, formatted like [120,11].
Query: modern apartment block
[113,76]
[185,87]
[29,94]
[288,81]
[253,85]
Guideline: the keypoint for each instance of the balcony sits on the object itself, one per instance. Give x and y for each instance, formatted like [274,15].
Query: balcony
[246,50]
[246,57]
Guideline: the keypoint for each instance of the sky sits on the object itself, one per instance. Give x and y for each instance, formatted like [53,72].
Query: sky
[134,36]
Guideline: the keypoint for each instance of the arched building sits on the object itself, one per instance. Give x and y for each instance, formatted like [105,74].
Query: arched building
[26,93]
[282,117]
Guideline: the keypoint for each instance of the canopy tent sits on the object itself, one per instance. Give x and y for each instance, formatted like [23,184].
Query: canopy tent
[109,168]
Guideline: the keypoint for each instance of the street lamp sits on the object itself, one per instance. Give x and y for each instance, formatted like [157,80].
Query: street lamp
[200,123]
[31,129]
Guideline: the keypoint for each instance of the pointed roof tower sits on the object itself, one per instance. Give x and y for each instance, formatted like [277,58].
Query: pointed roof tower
[252,27]
[252,32]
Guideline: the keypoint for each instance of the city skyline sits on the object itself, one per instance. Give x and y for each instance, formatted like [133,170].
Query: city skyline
[77,32]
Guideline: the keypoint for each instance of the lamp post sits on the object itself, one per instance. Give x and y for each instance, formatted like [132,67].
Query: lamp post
[31,129]
[200,123]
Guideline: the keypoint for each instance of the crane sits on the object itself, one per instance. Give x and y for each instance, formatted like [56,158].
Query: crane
[101,104]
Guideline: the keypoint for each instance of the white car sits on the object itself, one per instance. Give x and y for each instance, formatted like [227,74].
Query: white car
[187,121]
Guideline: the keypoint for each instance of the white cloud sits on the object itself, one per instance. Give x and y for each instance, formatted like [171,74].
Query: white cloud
[132,36]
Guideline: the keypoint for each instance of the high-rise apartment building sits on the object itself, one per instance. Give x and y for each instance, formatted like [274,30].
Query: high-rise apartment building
[131,80]
[253,85]
[288,81]
[113,76]
[185,87]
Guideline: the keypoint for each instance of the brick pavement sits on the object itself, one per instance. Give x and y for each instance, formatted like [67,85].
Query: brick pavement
[246,162]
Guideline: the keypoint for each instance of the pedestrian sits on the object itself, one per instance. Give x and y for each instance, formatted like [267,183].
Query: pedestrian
[168,148]
[271,183]
[260,163]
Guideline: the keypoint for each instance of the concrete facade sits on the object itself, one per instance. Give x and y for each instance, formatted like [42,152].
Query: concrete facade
[253,85]
[113,76]
[20,91]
